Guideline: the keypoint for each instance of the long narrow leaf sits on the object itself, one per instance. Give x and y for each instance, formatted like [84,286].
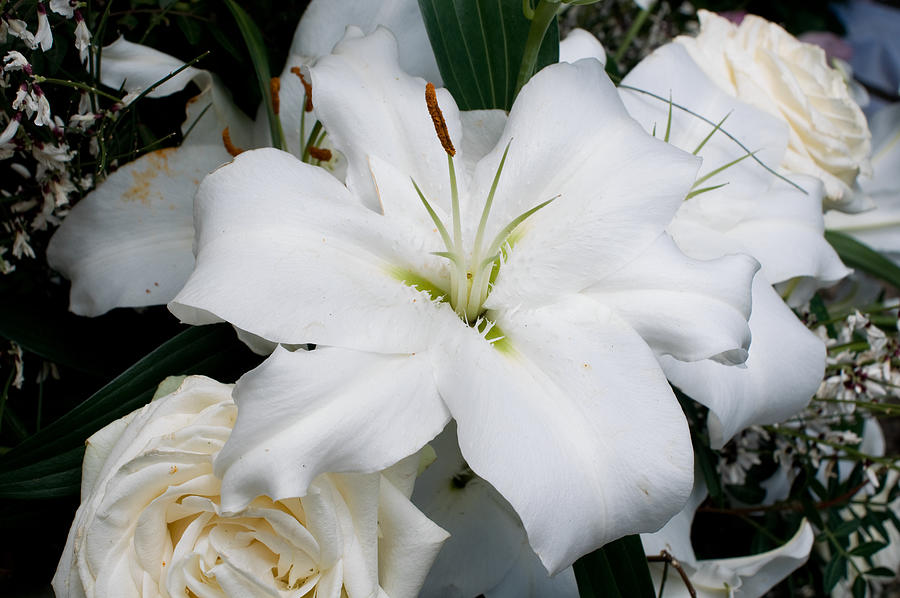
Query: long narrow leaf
[618,569]
[209,350]
[479,45]
[259,57]
[863,257]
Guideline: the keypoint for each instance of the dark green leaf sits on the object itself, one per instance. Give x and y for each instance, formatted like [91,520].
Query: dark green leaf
[258,55]
[881,572]
[867,548]
[751,495]
[190,28]
[479,45]
[858,255]
[859,587]
[57,476]
[835,570]
[618,569]
[209,350]
[846,528]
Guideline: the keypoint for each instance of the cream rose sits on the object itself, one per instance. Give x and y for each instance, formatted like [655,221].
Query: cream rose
[764,65]
[150,523]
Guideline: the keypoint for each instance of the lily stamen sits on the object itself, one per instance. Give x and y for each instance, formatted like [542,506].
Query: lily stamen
[275,87]
[437,117]
[308,106]
[230,147]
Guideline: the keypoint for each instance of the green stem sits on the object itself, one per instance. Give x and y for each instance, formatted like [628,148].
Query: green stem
[543,16]
[76,85]
[632,32]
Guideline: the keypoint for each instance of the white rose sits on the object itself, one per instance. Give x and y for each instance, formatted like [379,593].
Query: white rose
[764,65]
[150,523]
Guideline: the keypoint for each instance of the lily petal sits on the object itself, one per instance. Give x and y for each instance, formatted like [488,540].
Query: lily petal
[140,215]
[784,368]
[294,258]
[409,545]
[686,308]
[579,44]
[601,218]
[324,24]
[299,415]
[369,106]
[555,412]
[487,539]
[748,576]
[136,67]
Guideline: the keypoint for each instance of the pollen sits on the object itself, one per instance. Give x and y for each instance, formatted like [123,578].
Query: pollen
[319,153]
[437,117]
[306,86]
[275,87]
[229,146]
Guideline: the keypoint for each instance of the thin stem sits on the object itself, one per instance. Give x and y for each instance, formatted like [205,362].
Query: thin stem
[543,16]
[311,141]
[76,85]
[726,133]
[632,32]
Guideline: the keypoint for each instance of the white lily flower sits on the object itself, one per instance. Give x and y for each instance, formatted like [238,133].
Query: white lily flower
[438,287]
[878,228]
[753,212]
[738,577]
[142,214]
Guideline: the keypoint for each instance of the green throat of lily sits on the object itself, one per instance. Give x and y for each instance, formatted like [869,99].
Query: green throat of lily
[471,272]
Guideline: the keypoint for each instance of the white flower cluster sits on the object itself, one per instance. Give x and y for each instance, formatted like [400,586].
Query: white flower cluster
[41,156]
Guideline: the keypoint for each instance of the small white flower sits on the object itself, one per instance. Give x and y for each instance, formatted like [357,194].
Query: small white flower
[42,111]
[82,36]
[21,246]
[65,8]
[43,36]
[11,128]
[14,61]
[18,28]
[25,100]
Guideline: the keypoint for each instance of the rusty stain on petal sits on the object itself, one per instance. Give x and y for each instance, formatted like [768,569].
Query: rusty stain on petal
[437,117]
[142,184]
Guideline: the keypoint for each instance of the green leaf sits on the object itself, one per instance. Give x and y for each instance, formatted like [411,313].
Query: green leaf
[258,55]
[52,456]
[881,572]
[846,528]
[859,587]
[867,548]
[479,46]
[618,569]
[863,257]
[835,570]
[57,476]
